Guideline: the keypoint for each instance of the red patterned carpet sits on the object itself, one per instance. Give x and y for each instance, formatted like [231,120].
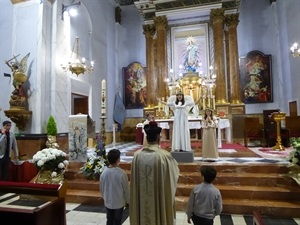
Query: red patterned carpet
[270,153]
[227,150]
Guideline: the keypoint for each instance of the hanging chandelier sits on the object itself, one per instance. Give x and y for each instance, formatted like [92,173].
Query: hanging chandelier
[295,50]
[77,66]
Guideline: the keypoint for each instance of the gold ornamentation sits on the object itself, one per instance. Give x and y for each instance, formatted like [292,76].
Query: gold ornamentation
[149,30]
[19,116]
[217,15]
[232,20]
[161,22]
[44,177]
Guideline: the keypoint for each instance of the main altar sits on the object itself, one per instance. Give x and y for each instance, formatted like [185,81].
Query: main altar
[194,123]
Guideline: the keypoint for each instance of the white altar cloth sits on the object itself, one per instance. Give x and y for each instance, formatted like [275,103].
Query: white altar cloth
[195,123]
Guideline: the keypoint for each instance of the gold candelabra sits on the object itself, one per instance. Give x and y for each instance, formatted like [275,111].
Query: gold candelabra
[278,117]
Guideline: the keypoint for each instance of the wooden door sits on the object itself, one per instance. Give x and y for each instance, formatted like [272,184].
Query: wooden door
[80,104]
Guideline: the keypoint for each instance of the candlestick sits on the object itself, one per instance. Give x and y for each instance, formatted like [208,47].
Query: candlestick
[214,102]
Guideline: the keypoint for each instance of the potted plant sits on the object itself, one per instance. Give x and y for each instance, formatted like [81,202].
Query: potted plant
[51,133]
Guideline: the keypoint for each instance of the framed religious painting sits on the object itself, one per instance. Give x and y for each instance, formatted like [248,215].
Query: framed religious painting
[190,49]
[135,96]
[256,77]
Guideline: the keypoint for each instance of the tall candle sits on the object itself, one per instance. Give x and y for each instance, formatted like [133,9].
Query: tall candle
[214,102]
[203,102]
[103,84]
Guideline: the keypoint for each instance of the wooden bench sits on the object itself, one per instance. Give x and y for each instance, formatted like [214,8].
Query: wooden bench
[293,124]
[51,213]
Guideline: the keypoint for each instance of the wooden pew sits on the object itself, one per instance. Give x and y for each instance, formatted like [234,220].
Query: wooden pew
[293,124]
[51,213]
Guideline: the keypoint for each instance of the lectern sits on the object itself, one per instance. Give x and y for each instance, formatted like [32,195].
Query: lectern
[278,117]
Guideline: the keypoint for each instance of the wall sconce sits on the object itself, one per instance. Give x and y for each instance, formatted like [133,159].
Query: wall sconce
[67,8]
[76,65]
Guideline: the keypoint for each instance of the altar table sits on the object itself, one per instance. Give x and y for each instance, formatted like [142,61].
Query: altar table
[195,123]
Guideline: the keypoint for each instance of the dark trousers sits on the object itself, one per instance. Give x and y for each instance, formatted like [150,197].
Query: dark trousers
[114,216]
[201,221]
[4,167]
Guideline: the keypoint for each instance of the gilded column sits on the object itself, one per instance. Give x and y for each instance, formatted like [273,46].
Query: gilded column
[217,18]
[161,24]
[227,63]
[232,21]
[149,31]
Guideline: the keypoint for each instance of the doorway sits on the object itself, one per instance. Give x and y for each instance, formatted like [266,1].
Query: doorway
[80,104]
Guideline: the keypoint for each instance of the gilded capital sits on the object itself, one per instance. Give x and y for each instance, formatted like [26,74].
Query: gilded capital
[149,30]
[217,15]
[161,22]
[232,20]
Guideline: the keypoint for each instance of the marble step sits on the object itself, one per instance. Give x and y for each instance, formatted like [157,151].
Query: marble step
[195,167]
[227,191]
[248,192]
[257,179]
[227,168]
[84,196]
[247,206]
[284,208]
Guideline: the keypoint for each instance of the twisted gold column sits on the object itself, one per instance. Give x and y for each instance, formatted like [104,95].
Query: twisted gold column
[161,24]
[217,18]
[232,21]
[149,31]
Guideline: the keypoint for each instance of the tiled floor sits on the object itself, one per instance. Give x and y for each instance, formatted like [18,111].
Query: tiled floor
[270,158]
[95,218]
[78,214]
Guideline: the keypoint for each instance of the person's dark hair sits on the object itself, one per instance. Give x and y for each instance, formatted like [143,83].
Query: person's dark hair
[209,173]
[113,156]
[211,115]
[153,131]
[6,122]
[176,102]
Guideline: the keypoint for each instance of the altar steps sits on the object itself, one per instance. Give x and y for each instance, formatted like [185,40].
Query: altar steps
[245,188]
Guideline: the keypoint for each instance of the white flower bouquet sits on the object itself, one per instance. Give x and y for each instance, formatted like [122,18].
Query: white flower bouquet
[51,159]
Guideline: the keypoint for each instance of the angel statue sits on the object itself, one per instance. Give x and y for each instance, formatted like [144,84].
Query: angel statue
[18,69]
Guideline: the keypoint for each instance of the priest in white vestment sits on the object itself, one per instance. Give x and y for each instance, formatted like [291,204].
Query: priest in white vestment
[154,175]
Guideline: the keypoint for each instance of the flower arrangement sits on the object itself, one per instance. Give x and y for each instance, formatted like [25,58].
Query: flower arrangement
[96,162]
[50,159]
[294,158]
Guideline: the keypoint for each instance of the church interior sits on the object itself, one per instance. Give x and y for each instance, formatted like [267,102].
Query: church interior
[101,72]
